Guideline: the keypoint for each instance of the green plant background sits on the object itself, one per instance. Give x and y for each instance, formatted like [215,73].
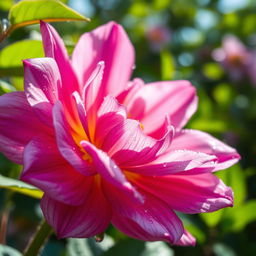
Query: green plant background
[227,110]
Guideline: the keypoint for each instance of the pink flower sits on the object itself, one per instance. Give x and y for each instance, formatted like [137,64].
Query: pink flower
[159,36]
[234,57]
[106,150]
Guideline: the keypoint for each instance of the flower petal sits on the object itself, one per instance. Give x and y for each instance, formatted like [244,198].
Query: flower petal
[203,142]
[93,97]
[128,145]
[46,169]
[188,193]
[151,221]
[109,115]
[18,125]
[54,48]
[66,144]
[86,220]
[154,101]
[109,170]
[108,43]
[179,161]
[186,240]
[42,81]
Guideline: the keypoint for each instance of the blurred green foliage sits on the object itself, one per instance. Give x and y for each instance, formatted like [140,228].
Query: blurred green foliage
[227,109]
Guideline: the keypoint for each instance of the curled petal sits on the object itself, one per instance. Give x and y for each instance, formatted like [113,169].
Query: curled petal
[187,239]
[203,142]
[54,48]
[93,97]
[86,220]
[151,221]
[109,170]
[110,114]
[128,145]
[154,101]
[18,125]
[189,193]
[96,47]
[46,169]
[42,81]
[179,161]
[66,144]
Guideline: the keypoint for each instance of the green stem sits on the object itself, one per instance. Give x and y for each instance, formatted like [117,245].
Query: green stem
[38,240]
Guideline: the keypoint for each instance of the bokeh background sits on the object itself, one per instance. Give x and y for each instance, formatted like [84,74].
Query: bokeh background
[212,43]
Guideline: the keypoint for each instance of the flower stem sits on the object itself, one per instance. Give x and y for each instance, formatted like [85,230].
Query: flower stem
[38,240]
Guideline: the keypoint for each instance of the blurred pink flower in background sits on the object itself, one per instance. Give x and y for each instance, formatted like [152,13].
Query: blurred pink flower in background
[159,36]
[238,61]
[108,150]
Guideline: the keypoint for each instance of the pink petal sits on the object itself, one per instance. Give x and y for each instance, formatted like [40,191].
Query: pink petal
[42,81]
[151,221]
[66,144]
[55,48]
[46,169]
[109,170]
[203,142]
[87,220]
[185,161]
[81,112]
[153,102]
[128,145]
[189,193]
[108,43]
[110,114]
[18,125]
[132,87]
[93,97]
[186,240]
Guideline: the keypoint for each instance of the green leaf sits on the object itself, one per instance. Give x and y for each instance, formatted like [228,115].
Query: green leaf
[11,56]
[5,5]
[20,187]
[167,65]
[243,215]
[212,218]
[8,251]
[6,87]
[27,12]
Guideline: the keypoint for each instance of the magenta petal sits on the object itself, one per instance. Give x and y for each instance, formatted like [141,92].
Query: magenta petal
[87,220]
[81,112]
[42,81]
[186,161]
[154,101]
[203,142]
[109,170]
[128,145]
[108,43]
[67,147]
[93,97]
[186,240]
[18,125]
[109,115]
[46,169]
[189,193]
[151,221]
[54,48]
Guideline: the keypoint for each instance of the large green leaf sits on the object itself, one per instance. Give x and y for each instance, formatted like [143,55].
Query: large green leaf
[11,56]
[27,12]
[20,187]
